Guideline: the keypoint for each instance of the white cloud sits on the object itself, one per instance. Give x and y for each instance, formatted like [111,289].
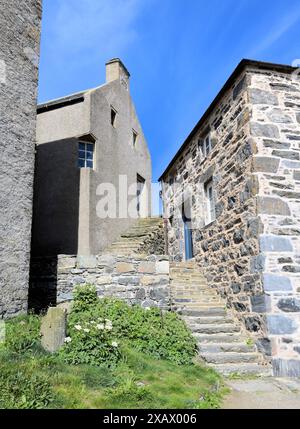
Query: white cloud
[277,31]
[95,27]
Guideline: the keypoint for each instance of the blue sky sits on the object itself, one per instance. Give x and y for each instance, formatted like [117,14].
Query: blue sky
[179,53]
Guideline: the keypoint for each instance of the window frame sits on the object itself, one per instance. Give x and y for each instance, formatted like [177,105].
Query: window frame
[135,136]
[209,192]
[85,158]
[205,146]
[113,119]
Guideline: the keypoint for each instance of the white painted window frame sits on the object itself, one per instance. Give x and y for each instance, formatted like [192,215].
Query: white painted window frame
[210,201]
[86,151]
[205,146]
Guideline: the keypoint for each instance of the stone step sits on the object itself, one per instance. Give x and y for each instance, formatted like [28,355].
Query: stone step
[217,338]
[193,292]
[208,320]
[207,298]
[182,281]
[199,298]
[192,300]
[189,287]
[229,357]
[186,276]
[126,245]
[242,369]
[226,328]
[226,347]
[204,311]
[182,265]
[204,302]
[198,294]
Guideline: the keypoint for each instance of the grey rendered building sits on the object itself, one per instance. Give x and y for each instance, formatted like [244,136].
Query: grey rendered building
[19,58]
[85,140]
[232,199]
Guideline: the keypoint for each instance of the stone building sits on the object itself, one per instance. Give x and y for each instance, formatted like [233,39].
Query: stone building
[231,196]
[83,141]
[19,58]
[91,154]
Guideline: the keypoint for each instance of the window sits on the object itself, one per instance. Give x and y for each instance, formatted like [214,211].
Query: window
[86,155]
[113,115]
[210,201]
[205,146]
[134,138]
[139,194]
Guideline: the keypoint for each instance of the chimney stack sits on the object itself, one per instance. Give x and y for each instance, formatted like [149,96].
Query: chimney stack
[115,70]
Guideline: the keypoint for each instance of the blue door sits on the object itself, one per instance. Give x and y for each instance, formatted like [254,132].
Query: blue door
[188,240]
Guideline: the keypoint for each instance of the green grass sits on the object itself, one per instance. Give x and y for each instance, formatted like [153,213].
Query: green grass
[139,381]
[32,378]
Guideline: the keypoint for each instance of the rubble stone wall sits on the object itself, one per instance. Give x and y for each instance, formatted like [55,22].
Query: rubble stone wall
[135,279]
[251,252]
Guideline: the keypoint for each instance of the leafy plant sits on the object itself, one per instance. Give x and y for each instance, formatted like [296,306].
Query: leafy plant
[84,297]
[91,342]
[162,335]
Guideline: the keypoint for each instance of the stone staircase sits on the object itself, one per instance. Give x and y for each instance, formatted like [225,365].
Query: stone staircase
[222,343]
[146,236]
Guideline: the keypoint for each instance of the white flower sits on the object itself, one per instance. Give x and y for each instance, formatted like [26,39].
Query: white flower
[108,327]
[100,326]
[86,330]
[78,327]
[68,339]
[114,344]
[109,322]
[92,322]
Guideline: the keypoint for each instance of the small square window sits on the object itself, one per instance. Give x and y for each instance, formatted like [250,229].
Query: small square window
[134,138]
[113,115]
[85,155]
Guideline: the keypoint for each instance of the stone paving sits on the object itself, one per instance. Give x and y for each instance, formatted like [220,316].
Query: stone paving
[263,393]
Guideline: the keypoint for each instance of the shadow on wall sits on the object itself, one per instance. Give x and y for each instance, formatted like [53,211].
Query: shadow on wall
[42,283]
[55,216]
